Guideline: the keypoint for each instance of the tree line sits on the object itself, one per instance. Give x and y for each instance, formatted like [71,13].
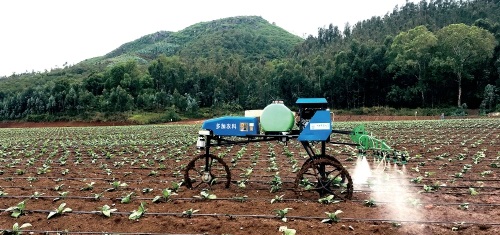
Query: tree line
[412,57]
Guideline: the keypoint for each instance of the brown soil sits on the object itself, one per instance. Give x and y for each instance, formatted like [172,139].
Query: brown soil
[437,212]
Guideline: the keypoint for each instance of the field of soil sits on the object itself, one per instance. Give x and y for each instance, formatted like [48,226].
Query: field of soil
[450,185]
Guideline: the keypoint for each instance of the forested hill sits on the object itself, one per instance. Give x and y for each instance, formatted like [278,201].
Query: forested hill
[442,53]
[250,37]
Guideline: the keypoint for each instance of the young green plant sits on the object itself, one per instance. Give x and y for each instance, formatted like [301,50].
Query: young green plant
[332,217]
[59,210]
[17,210]
[136,214]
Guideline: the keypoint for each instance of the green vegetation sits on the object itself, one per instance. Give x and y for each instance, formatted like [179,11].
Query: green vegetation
[405,59]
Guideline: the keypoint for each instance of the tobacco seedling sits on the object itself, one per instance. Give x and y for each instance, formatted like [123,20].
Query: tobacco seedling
[370,203]
[486,173]
[205,195]
[463,206]
[458,226]
[277,198]
[417,180]
[165,195]
[287,231]
[36,195]
[136,214]
[115,185]
[62,195]
[332,217]
[58,187]
[59,210]
[328,200]
[282,213]
[88,187]
[17,210]
[65,172]
[16,229]
[97,196]
[189,213]
[276,183]
[176,186]
[127,198]
[2,193]
[248,172]
[106,210]
[473,192]
[242,184]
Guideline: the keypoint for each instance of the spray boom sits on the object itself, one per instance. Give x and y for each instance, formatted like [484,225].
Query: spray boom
[366,142]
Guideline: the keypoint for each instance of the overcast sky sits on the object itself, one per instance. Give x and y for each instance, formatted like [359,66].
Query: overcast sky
[44,34]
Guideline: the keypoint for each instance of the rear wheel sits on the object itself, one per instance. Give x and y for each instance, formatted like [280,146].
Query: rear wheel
[207,170]
[324,176]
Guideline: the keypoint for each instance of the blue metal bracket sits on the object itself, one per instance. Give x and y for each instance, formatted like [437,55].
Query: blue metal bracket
[319,127]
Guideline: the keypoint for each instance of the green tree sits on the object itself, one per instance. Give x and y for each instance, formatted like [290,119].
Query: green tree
[489,98]
[462,48]
[411,54]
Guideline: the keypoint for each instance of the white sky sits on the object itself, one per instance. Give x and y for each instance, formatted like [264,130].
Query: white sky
[44,34]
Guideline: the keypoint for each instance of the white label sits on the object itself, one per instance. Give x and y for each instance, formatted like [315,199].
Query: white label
[320,126]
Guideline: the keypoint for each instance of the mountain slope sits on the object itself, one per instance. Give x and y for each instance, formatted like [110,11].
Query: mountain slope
[250,37]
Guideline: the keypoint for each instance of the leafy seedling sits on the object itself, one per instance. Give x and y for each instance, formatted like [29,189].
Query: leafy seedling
[486,173]
[287,231]
[17,210]
[115,185]
[205,195]
[306,184]
[106,210]
[58,187]
[277,198]
[65,172]
[328,200]
[473,192]
[463,206]
[16,229]
[242,184]
[276,183]
[88,187]
[417,180]
[127,199]
[282,213]
[62,195]
[370,203]
[136,214]
[97,196]
[36,195]
[458,226]
[176,186]
[189,213]
[59,210]
[332,217]
[165,195]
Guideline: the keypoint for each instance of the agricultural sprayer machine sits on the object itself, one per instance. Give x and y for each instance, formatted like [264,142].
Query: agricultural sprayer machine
[321,173]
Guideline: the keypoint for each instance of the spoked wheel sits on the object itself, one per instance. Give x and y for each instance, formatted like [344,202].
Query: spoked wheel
[207,170]
[324,176]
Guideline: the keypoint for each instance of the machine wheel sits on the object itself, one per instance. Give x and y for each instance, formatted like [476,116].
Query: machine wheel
[326,176]
[216,174]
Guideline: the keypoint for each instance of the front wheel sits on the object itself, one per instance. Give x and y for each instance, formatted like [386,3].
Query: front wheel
[324,176]
[207,170]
